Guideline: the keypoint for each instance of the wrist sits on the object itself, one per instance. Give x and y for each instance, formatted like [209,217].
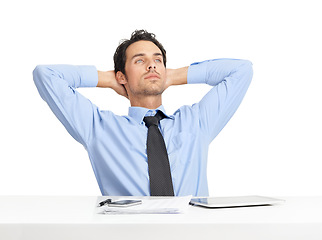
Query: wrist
[105,78]
[177,76]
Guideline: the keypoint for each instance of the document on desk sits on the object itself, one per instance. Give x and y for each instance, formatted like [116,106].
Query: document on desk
[153,205]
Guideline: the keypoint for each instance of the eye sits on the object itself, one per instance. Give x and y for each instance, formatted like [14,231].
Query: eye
[139,61]
[158,60]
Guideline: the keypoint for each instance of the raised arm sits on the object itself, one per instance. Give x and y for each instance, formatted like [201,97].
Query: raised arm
[231,79]
[57,85]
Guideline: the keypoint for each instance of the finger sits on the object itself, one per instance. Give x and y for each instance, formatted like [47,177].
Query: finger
[122,91]
[126,95]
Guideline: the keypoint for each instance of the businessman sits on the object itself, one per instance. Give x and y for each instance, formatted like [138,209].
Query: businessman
[149,151]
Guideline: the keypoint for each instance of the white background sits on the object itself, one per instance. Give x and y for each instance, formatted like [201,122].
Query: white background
[271,146]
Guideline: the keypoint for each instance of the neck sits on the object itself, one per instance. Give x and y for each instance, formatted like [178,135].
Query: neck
[150,102]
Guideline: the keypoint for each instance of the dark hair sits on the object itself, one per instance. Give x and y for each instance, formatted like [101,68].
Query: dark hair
[137,35]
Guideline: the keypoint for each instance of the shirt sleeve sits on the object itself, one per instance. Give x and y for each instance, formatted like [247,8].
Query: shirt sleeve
[57,86]
[230,79]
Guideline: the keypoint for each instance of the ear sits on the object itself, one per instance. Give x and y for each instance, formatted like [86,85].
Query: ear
[120,77]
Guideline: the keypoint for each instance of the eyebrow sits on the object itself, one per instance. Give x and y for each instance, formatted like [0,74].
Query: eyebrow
[143,54]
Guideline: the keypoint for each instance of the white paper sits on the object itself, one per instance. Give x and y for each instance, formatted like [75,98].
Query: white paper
[157,205]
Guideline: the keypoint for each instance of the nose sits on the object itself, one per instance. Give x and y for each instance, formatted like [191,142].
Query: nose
[152,66]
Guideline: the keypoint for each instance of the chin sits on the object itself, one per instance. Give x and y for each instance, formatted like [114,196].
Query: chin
[153,92]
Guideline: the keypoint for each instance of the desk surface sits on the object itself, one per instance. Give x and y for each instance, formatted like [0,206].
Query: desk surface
[55,217]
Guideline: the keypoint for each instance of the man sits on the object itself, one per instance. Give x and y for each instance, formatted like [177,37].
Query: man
[116,145]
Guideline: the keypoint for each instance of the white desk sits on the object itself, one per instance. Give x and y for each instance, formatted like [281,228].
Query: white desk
[75,218]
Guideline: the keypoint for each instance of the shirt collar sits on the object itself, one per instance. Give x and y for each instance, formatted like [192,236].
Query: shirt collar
[138,113]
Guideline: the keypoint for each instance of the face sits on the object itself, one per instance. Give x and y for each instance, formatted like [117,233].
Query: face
[145,73]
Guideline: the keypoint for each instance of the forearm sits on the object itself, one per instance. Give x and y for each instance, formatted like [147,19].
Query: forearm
[215,71]
[56,78]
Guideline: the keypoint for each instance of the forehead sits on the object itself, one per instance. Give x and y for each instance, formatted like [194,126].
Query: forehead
[142,47]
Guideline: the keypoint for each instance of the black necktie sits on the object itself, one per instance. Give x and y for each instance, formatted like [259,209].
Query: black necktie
[158,162]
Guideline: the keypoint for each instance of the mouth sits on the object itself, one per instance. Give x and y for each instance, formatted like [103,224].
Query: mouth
[152,76]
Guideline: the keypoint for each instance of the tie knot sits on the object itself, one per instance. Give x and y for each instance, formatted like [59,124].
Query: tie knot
[149,121]
[153,120]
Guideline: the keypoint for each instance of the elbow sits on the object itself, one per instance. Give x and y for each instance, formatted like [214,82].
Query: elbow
[41,74]
[248,65]
[247,69]
[38,72]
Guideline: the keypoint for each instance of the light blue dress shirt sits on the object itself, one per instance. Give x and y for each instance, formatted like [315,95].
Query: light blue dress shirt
[116,145]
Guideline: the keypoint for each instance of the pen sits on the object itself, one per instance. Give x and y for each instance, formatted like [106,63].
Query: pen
[104,202]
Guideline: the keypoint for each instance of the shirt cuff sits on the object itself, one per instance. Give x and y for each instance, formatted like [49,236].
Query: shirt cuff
[88,75]
[197,73]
